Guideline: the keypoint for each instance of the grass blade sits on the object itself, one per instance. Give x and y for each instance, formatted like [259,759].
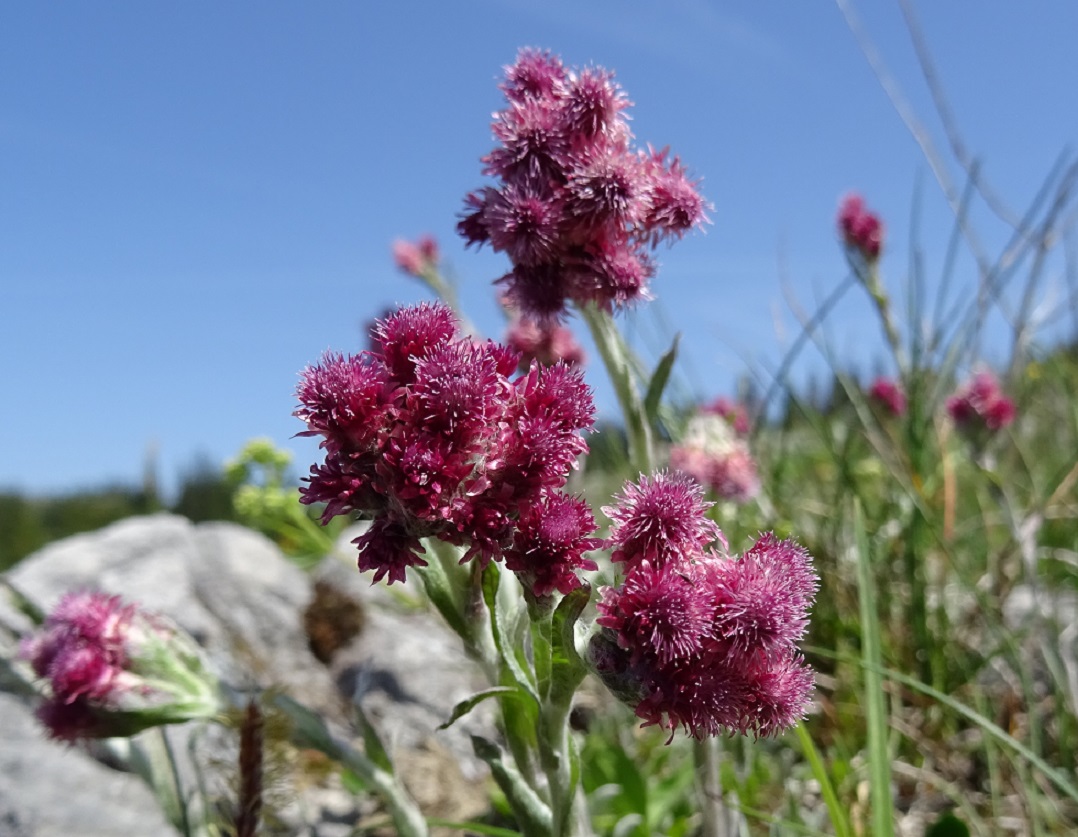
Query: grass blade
[879,752]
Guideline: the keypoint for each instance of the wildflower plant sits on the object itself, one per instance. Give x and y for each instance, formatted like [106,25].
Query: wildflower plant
[459,455]
[461,459]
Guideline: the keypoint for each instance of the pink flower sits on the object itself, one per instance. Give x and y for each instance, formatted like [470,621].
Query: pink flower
[708,642]
[861,230]
[549,544]
[889,395]
[430,435]
[112,669]
[980,405]
[712,454]
[576,208]
[661,613]
[81,649]
[762,600]
[416,258]
[660,519]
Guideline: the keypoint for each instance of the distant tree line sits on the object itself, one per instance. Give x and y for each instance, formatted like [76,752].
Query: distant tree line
[28,523]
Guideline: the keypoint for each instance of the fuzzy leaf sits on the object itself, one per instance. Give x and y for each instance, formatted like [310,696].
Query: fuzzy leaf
[531,812]
[468,704]
[659,379]
[567,669]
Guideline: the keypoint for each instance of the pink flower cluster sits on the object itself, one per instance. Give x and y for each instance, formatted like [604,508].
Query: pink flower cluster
[861,230]
[695,637]
[889,395]
[712,453]
[430,436]
[577,208]
[418,257]
[980,404]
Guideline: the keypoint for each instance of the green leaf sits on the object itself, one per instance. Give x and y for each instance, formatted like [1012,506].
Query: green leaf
[531,812]
[517,665]
[468,704]
[23,603]
[473,828]
[634,789]
[372,743]
[839,821]
[567,669]
[659,379]
[440,591]
[353,782]
[618,360]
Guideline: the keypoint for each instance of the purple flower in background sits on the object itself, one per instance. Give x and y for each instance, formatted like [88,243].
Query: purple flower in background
[732,411]
[429,435]
[712,453]
[889,395]
[416,258]
[112,669]
[543,341]
[861,230]
[980,405]
[577,209]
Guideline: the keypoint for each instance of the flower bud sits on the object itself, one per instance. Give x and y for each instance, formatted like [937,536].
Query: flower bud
[113,669]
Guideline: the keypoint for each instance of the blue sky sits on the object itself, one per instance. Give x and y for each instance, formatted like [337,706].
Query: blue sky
[198,199]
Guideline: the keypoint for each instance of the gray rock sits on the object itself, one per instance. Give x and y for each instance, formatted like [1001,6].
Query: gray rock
[232,590]
[50,790]
[244,602]
[227,586]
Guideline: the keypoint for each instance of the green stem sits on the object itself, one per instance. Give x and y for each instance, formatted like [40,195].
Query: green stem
[839,821]
[310,730]
[876,719]
[616,359]
[713,812]
[177,782]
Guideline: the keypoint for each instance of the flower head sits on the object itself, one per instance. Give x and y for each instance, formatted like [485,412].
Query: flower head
[762,599]
[707,641]
[405,335]
[661,613]
[429,435]
[861,230]
[732,411]
[659,519]
[112,669]
[549,544]
[545,342]
[889,395]
[980,406]
[712,453]
[416,258]
[576,208]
